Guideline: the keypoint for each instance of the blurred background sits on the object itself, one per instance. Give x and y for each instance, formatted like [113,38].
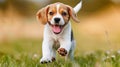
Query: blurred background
[20,32]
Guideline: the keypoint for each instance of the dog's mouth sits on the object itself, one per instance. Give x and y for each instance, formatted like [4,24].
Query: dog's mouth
[57,28]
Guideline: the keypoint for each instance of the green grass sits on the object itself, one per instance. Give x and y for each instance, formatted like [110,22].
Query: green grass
[96,59]
[27,53]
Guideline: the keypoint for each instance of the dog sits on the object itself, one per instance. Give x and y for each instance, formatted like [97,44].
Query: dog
[58,34]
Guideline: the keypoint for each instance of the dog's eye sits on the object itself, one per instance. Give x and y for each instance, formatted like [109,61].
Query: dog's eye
[51,13]
[64,13]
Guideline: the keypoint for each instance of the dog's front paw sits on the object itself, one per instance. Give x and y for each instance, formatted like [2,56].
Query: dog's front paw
[46,60]
[62,51]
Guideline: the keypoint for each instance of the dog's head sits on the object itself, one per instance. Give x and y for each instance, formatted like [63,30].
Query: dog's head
[57,15]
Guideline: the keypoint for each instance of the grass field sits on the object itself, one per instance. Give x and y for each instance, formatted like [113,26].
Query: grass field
[27,53]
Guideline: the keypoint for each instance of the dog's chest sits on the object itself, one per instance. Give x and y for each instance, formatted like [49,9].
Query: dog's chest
[56,44]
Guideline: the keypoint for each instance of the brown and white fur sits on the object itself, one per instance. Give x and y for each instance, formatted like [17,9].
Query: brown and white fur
[58,34]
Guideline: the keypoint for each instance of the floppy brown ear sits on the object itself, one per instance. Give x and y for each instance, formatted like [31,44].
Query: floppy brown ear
[73,14]
[42,15]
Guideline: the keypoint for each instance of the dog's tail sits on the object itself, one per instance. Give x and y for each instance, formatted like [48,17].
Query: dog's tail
[78,7]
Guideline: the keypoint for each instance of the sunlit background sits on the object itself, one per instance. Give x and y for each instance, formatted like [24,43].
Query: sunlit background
[20,32]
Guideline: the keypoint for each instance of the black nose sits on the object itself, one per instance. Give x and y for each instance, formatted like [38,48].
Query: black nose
[57,20]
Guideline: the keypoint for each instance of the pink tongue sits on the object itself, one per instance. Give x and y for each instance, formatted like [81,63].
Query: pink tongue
[56,29]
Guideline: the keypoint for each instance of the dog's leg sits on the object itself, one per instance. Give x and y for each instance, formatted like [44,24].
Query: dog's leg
[64,48]
[71,53]
[65,41]
[47,48]
[48,52]
[53,54]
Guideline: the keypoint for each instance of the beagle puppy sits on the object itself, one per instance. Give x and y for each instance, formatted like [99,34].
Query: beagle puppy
[58,35]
